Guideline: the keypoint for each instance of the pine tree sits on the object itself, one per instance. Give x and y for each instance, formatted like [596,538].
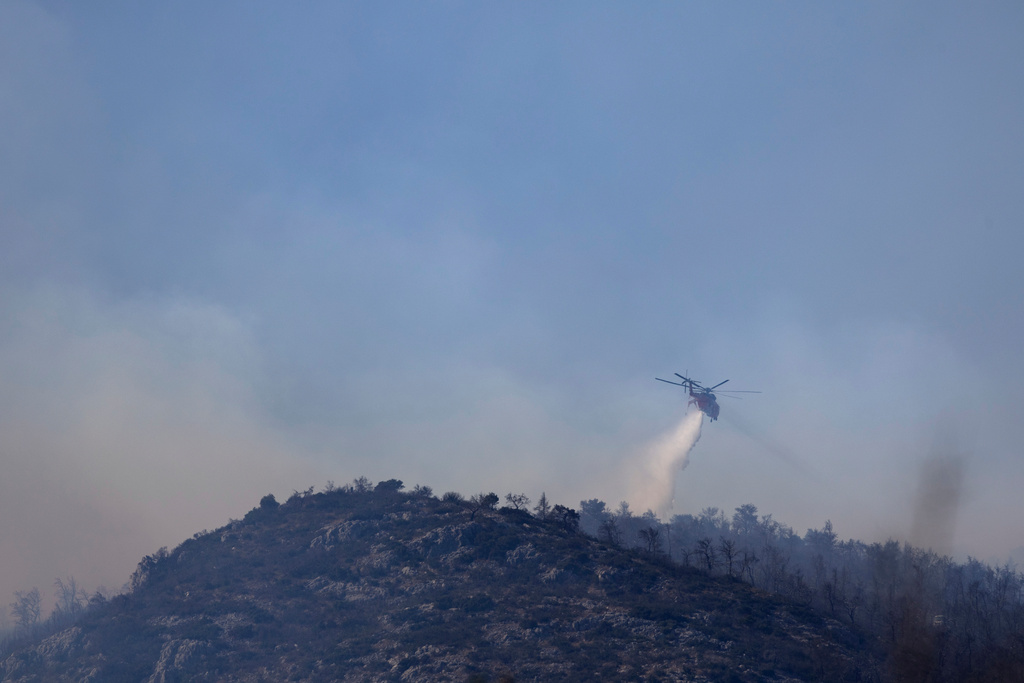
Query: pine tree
[542,509]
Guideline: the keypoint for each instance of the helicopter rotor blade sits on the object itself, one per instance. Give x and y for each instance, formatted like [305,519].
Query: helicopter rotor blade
[738,391]
[690,382]
[687,382]
[717,385]
[677,384]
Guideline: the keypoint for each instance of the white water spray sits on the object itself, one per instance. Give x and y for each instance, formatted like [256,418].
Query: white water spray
[654,483]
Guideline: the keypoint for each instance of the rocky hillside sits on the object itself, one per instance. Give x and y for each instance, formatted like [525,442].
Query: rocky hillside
[377,584]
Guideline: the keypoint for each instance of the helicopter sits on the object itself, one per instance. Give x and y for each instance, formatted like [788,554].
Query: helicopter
[702,396]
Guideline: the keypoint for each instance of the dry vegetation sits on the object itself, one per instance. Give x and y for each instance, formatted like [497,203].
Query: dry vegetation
[376,583]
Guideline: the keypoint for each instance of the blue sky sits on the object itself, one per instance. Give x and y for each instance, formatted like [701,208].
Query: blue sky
[250,248]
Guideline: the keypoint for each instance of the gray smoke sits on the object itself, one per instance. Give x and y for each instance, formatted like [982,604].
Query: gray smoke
[124,428]
[940,485]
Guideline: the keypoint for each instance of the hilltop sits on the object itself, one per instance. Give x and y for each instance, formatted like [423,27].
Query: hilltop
[364,584]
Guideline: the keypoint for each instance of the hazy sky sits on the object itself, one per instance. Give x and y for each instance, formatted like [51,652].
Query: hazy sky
[248,247]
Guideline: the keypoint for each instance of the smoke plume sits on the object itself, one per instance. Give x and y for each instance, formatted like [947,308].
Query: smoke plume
[938,500]
[654,483]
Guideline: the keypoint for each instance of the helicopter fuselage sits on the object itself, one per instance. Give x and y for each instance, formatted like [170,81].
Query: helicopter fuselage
[705,402]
